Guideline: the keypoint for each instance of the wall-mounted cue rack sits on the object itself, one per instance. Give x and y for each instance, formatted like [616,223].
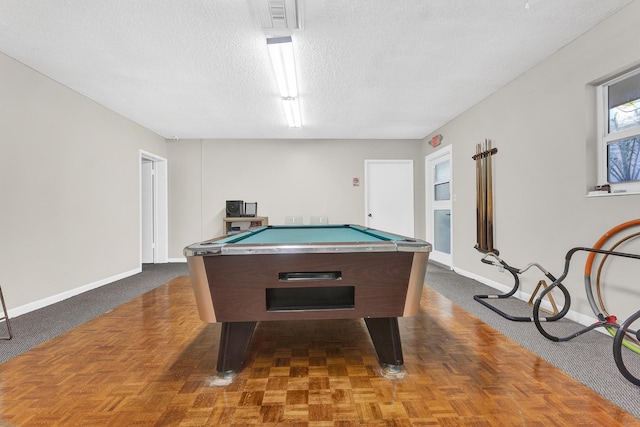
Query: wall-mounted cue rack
[484,197]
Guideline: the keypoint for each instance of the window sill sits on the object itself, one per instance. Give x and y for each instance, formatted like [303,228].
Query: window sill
[604,194]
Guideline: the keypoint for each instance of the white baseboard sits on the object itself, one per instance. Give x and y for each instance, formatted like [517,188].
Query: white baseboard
[488,282]
[575,316]
[32,306]
[177,260]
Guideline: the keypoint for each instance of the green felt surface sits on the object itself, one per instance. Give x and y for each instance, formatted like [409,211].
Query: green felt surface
[309,234]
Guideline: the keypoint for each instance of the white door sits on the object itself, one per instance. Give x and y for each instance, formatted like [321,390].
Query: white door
[389,196]
[154,230]
[438,205]
[147,201]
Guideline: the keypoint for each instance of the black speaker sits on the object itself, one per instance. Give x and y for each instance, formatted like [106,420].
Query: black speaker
[235,208]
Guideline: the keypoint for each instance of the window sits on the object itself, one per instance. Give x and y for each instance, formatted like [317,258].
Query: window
[619,133]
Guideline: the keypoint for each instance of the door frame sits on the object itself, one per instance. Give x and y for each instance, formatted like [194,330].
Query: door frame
[429,161]
[160,207]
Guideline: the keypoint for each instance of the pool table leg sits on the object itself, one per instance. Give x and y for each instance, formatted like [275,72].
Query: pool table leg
[234,341]
[385,335]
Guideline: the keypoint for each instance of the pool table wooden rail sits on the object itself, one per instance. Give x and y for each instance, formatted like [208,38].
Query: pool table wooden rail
[234,245]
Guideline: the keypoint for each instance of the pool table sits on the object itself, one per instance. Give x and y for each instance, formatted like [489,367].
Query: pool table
[303,273]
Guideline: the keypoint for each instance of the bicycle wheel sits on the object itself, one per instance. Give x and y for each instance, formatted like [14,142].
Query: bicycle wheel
[628,363]
[597,304]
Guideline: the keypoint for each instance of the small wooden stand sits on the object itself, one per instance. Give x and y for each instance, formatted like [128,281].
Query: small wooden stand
[543,284]
[250,221]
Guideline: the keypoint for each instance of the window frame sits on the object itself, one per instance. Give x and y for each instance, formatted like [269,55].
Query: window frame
[605,137]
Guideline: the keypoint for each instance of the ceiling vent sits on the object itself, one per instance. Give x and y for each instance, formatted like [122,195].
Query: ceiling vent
[277,14]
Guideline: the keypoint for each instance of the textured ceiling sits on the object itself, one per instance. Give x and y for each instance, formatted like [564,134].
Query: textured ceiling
[366,68]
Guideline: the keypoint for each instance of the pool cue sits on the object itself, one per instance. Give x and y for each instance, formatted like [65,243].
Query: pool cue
[483,201]
[478,183]
[489,199]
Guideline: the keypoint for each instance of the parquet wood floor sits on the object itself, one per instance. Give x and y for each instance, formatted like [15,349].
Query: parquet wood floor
[151,362]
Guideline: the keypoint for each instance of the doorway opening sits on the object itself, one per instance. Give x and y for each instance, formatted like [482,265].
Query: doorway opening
[154,228]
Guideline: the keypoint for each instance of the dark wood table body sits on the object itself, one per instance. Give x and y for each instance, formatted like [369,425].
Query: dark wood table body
[246,289]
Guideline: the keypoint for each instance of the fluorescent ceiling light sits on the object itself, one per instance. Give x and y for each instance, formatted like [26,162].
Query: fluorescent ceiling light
[281,53]
[292,112]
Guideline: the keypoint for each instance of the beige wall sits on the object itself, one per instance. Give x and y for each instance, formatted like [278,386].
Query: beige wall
[285,177]
[69,175]
[543,125]
[69,186]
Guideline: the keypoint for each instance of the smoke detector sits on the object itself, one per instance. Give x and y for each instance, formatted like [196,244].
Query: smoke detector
[277,14]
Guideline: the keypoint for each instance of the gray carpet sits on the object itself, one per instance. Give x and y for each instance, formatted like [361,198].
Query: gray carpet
[588,358]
